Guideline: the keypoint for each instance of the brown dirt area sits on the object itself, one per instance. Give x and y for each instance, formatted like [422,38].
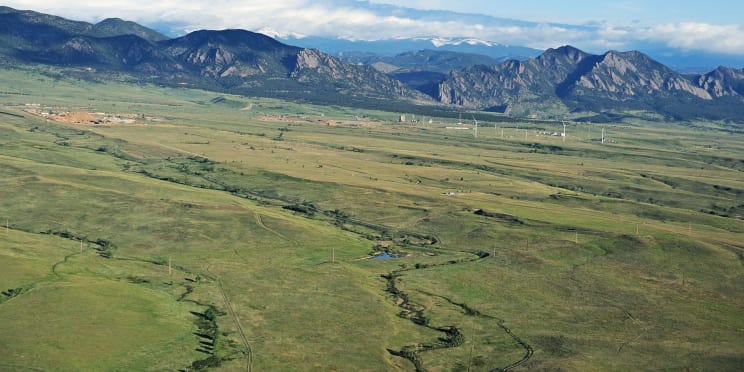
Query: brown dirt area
[87,118]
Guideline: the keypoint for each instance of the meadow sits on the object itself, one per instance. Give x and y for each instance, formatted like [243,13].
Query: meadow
[234,233]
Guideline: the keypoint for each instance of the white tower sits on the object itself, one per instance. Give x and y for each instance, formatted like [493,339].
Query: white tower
[564,130]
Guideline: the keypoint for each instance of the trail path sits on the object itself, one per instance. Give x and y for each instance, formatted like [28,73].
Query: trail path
[260,222]
[228,306]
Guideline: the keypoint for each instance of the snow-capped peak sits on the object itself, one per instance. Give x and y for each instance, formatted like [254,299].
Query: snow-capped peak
[268,31]
[440,42]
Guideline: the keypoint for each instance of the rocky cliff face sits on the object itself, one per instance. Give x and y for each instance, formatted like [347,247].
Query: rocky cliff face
[245,59]
[315,67]
[512,81]
[624,75]
[723,82]
[569,77]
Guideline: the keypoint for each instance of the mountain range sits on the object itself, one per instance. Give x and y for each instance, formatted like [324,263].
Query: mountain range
[578,81]
[557,82]
[366,51]
[237,61]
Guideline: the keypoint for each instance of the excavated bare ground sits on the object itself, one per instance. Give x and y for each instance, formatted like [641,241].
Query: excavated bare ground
[87,118]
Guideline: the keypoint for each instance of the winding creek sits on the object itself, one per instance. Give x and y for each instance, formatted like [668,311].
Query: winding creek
[452,336]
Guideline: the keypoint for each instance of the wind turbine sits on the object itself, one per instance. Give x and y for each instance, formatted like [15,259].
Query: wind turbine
[564,130]
[475,130]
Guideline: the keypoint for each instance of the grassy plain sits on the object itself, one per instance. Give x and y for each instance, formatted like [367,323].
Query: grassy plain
[523,251]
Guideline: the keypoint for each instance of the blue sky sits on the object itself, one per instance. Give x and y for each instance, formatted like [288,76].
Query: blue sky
[711,26]
[584,11]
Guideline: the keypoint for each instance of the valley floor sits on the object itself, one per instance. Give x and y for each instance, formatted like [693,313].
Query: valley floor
[234,233]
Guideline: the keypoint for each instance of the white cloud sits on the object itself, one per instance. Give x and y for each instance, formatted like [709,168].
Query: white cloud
[370,21]
[727,39]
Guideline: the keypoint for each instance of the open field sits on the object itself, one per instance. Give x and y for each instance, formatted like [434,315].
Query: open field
[227,232]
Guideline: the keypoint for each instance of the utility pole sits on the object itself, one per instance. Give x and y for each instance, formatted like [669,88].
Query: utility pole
[333,255]
[475,132]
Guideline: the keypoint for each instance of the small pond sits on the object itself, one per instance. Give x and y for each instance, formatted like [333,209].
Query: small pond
[385,256]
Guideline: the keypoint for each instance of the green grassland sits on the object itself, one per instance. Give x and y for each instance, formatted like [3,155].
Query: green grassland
[232,233]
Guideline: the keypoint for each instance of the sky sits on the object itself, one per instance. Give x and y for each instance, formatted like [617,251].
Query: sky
[711,26]
[586,11]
